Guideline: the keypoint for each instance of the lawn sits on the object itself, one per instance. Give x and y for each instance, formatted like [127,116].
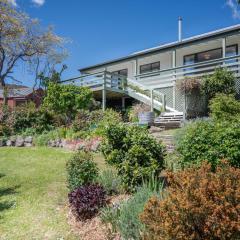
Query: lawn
[33,194]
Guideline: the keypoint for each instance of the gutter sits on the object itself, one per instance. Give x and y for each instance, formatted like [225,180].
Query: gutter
[211,35]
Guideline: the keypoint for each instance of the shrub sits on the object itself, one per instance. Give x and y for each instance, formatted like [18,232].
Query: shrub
[67,99]
[26,116]
[130,226]
[124,217]
[224,107]
[222,81]
[110,181]
[5,121]
[81,170]
[134,153]
[41,140]
[94,122]
[189,85]
[211,141]
[86,201]
[110,217]
[82,121]
[208,208]
[103,119]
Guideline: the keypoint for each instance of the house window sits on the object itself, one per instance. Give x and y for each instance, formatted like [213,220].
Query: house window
[122,72]
[151,67]
[231,51]
[209,55]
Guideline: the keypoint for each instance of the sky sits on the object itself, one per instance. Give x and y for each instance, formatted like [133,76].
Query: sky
[101,30]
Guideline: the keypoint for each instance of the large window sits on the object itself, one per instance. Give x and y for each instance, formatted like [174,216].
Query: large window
[209,55]
[122,72]
[151,67]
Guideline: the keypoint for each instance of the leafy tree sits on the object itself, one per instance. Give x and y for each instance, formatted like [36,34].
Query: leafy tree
[21,40]
[53,76]
[67,99]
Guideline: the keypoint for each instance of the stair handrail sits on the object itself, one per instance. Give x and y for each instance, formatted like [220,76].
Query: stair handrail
[153,94]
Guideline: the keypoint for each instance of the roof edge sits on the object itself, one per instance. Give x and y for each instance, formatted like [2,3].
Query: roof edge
[185,41]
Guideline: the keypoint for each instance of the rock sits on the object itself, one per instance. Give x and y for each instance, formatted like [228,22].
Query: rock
[2,142]
[95,145]
[52,143]
[63,143]
[58,143]
[9,143]
[19,142]
[13,140]
[28,139]
[80,145]
[26,144]
[154,129]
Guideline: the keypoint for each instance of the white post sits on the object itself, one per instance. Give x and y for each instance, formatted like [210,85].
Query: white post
[104,92]
[174,77]
[136,67]
[164,102]
[224,48]
[123,103]
[152,100]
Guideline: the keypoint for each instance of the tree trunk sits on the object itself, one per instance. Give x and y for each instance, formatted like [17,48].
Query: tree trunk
[5,91]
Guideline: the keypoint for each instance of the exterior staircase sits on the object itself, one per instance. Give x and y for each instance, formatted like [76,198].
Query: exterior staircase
[169,120]
[107,81]
[139,92]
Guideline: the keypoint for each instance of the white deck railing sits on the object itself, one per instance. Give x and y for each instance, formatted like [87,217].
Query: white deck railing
[167,77]
[147,84]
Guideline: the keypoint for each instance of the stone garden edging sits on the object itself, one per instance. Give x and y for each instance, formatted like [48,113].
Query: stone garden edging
[92,144]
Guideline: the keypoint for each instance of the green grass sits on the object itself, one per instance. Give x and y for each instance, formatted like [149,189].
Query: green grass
[33,194]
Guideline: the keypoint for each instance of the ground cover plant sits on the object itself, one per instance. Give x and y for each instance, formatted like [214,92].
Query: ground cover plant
[208,208]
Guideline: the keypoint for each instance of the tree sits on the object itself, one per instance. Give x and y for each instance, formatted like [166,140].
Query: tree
[51,76]
[67,99]
[21,40]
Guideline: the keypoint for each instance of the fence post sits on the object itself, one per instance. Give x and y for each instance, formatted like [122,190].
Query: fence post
[184,107]
[164,102]
[174,60]
[152,100]
[104,92]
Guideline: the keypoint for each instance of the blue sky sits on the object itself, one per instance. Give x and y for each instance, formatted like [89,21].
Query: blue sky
[108,29]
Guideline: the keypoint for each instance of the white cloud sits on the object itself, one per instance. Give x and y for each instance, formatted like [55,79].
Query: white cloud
[233,5]
[13,2]
[38,2]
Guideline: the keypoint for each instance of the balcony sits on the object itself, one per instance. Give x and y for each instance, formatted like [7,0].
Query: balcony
[150,88]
